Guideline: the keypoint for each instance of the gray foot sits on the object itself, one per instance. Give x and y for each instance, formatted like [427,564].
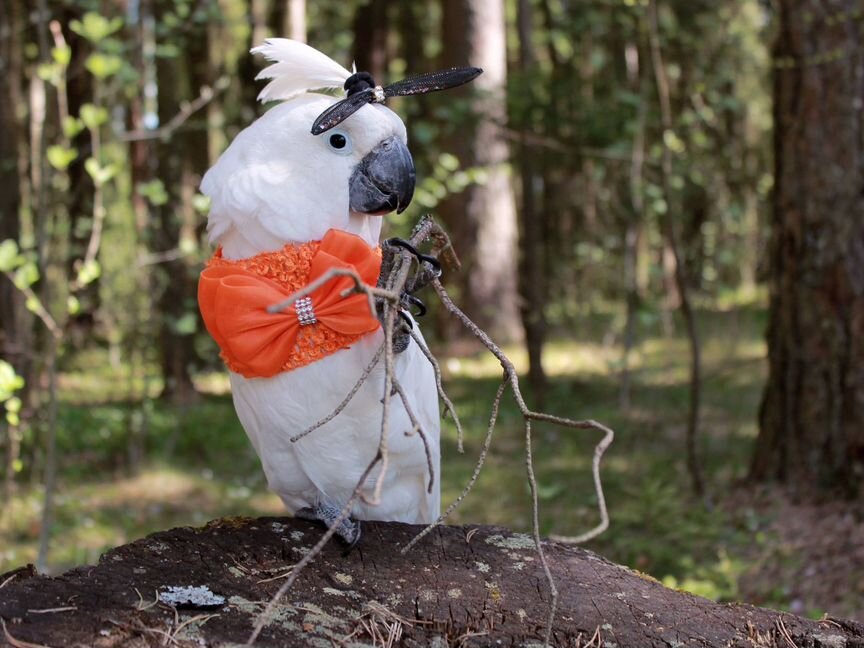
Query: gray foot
[327,514]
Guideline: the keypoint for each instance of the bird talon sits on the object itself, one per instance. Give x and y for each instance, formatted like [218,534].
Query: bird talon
[421,258]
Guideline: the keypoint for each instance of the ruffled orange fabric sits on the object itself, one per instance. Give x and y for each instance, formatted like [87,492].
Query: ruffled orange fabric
[234,295]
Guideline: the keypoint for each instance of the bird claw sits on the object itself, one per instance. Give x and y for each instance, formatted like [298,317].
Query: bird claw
[348,530]
[421,258]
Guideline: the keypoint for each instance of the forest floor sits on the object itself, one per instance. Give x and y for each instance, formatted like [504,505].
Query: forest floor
[745,543]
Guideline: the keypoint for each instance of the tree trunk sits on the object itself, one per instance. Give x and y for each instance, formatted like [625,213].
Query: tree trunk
[812,415]
[482,218]
[371,29]
[481,586]
[533,284]
[182,158]
[15,322]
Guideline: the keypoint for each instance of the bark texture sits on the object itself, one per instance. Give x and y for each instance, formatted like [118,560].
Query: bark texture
[481,586]
[812,418]
[481,219]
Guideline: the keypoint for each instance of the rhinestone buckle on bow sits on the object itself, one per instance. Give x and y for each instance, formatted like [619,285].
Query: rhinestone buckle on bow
[305,313]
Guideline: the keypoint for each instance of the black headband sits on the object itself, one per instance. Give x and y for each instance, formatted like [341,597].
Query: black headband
[362,90]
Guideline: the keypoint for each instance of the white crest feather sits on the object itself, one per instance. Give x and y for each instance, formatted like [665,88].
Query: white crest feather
[297,68]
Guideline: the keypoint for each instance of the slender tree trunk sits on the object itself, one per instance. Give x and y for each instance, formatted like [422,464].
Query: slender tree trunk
[694,464]
[533,282]
[482,218]
[181,160]
[12,325]
[15,321]
[371,30]
[812,415]
[633,227]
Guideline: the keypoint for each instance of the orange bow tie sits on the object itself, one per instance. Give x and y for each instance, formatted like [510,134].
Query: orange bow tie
[234,296]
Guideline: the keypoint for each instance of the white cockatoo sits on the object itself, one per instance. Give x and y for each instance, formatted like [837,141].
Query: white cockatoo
[279,185]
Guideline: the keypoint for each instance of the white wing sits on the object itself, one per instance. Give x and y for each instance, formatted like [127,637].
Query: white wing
[297,68]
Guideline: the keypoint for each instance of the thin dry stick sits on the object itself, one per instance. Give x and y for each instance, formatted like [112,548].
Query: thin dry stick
[513,378]
[265,617]
[391,300]
[486,444]
[18,643]
[528,415]
[416,427]
[535,520]
[370,291]
[448,404]
[346,400]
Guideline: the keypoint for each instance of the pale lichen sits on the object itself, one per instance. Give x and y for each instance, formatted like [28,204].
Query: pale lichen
[516,541]
[194,595]
[345,579]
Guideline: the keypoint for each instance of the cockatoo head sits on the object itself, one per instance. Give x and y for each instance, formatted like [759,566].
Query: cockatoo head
[278,183]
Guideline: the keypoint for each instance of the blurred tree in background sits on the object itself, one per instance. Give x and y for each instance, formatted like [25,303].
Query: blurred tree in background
[613,164]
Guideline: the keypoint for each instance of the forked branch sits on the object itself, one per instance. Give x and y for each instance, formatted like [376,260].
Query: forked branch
[428,230]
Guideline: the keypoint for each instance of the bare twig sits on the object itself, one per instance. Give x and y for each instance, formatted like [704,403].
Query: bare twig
[187,109]
[370,291]
[448,404]
[416,427]
[341,406]
[38,308]
[480,461]
[68,608]
[18,643]
[390,294]
[265,617]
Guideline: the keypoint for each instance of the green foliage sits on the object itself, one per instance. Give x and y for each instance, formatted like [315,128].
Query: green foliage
[103,66]
[60,157]
[10,257]
[95,27]
[99,173]
[10,382]
[154,192]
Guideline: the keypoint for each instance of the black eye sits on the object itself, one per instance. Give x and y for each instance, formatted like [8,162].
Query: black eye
[338,141]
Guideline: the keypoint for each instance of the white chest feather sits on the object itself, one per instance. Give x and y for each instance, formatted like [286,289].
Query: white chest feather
[327,464]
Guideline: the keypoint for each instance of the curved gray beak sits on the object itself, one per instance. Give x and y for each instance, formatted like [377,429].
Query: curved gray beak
[383,180]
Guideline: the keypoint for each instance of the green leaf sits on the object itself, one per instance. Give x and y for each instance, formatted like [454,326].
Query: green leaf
[89,272]
[72,126]
[62,55]
[201,203]
[95,27]
[10,258]
[60,157]
[154,192]
[103,66]
[10,382]
[100,174]
[448,161]
[26,275]
[13,404]
[167,51]
[17,466]
[49,72]
[186,325]
[12,418]
[73,305]
[93,116]
[32,304]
